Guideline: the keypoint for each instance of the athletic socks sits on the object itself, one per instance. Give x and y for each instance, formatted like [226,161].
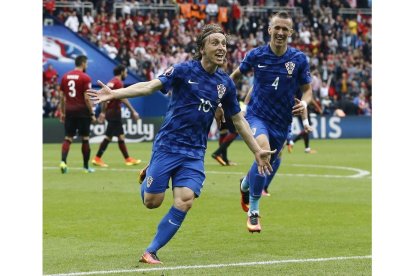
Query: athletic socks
[86,153]
[256,181]
[245,184]
[102,147]
[306,139]
[65,149]
[122,148]
[275,166]
[167,228]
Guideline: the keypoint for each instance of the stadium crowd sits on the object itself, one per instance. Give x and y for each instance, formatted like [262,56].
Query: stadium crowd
[148,41]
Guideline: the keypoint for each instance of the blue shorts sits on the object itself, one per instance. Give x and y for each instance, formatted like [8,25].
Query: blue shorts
[276,137]
[184,171]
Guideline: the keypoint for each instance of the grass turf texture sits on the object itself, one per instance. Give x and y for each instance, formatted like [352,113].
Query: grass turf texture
[96,222]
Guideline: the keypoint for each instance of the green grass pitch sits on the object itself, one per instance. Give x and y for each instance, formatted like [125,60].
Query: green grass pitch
[320,207]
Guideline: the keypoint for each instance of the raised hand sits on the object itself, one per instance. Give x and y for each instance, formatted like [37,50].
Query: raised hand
[102,95]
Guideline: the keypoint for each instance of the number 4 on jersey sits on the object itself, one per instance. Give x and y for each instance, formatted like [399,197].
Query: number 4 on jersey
[276,83]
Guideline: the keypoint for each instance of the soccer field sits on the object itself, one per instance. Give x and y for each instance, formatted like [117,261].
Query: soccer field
[317,220]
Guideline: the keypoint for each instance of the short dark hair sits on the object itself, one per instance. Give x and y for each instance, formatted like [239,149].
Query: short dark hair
[119,69]
[205,32]
[80,59]
[282,14]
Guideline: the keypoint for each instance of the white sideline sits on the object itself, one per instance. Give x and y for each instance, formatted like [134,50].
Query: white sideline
[209,266]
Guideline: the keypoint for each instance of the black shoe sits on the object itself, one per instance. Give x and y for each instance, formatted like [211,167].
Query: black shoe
[219,159]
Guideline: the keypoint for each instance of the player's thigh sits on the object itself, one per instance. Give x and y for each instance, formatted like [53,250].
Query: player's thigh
[190,174]
[161,167]
[260,132]
[114,128]
[84,125]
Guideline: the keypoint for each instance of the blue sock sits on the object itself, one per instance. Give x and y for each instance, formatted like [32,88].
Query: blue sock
[167,228]
[245,183]
[256,181]
[254,204]
[275,166]
[143,190]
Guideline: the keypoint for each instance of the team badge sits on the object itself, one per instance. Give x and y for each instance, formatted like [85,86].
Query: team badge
[149,181]
[290,66]
[169,71]
[221,89]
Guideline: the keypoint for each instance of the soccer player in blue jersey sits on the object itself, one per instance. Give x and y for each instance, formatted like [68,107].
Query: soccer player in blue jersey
[198,88]
[279,70]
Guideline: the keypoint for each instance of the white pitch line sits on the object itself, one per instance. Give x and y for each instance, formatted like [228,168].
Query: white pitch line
[210,266]
[359,173]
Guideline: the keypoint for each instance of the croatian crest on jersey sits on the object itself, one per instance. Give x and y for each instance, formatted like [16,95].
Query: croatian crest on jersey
[221,89]
[149,181]
[290,66]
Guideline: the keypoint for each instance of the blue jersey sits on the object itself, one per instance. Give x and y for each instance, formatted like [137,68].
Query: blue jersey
[276,81]
[195,97]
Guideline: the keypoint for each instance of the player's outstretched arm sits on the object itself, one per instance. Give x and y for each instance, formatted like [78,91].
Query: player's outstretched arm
[262,156]
[137,90]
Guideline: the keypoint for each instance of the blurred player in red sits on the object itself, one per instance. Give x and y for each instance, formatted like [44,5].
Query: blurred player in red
[111,111]
[76,111]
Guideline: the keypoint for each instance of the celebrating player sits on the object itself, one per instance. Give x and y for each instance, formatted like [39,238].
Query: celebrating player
[278,71]
[198,87]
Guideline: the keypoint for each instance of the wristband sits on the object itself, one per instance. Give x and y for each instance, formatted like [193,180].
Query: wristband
[304,103]
[305,122]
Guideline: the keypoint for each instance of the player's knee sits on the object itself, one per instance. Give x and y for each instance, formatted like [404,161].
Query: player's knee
[152,204]
[183,205]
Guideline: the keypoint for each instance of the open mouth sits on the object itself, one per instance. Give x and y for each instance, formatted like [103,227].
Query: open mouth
[220,56]
[279,39]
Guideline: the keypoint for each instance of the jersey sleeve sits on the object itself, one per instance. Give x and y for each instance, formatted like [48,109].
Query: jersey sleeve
[247,63]
[171,77]
[304,73]
[230,104]
[87,83]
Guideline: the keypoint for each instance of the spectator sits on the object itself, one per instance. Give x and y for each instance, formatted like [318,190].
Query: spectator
[88,20]
[331,46]
[50,75]
[111,49]
[72,22]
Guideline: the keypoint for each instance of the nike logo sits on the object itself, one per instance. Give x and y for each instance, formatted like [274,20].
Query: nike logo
[261,66]
[170,221]
[192,82]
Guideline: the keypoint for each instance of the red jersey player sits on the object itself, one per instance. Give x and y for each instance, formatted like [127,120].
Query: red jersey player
[111,111]
[76,111]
